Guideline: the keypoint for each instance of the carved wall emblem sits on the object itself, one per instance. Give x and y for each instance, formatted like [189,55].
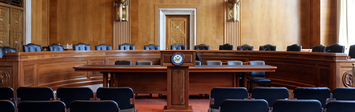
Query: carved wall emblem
[348,78]
[4,78]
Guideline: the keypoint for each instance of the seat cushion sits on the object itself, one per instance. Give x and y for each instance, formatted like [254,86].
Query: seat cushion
[260,80]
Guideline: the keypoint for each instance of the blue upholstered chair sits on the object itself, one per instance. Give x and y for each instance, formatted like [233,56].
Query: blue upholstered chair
[226,47]
[318,93]
[81,47]
[7,106]
[6,93]
[151,47]
[56,47]
[94,106]
[126,46]
[245,47]
[213,62]
[2,52]
[341,106]
[234,63]
[267,47]
[318,48]
[9,49]
[270,94]
[69,94]
[103,47]
[178,47]
[32,48]
[241,105]
[352,51]
[202,47]
[41,106]
[34,93]
[344,93]
[335,48]
[124,97]
[282,105]
[294,47]
[257,77]
[219,94]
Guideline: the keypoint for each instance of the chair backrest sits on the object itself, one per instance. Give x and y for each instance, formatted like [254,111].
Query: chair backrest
[245,47]
[178,47]
[93,106]
[197,62]
[318,48]
[34,93]
[121,95]
[335,48]
[32,48]
[234,63]
[2,52]
[344,93]
[126,46]
[202,47]
[341,106]
[221,93]
[282,105]
[123,62]
[41,106]
[6,93]
[294,47]
[267,47]
[81,47]
[9,49]
[211,62]
[226,47]
[198,58]
[151,47]
[103,47]
[241,105]
[318,93]
[352,51]
[7,106]
[270,94]
[144,63]
[69,94]
[56,47]
[257,74]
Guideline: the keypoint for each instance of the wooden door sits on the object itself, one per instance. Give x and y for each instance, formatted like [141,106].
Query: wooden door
[16,30]
[177,30]
[4,26]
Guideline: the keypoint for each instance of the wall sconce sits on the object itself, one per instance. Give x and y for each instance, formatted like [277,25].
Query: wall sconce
[233,11]
[121,10]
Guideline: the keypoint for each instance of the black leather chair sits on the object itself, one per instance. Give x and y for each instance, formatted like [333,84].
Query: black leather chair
[318,48]
[9,50]
[267,47]
[344,93]
[34,93]
[124,97]
[198,58]
[81,47]
[56,47]
[6,93]
[7,106]
[219,94]
[340,106]
[93,106]
[226,47]
[32,48]
[69,94]
[239,105]
[335,48]
[151,47]
[212,62]
[202,47]
[270,94]
[318,93]
[245,47]
[294,47]
[126,46]
[257,78]
[103,47]
[282,105]
[144,63]
[41,106]
[123,62]
[178,47]
[352,51]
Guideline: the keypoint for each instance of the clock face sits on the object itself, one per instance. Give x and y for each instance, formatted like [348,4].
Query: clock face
[177,59]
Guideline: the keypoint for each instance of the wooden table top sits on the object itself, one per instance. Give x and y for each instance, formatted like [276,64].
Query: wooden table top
[158,68]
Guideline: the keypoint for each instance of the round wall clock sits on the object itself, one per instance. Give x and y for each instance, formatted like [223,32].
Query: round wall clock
[177,59]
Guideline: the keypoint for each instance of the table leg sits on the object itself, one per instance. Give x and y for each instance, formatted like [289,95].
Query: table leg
[237,80]
[105,78]
[245,80]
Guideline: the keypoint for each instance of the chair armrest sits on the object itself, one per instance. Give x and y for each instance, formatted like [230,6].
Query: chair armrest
[211,101]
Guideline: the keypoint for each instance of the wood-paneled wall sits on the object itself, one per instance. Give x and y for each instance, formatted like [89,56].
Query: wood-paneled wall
[328,21]
[86,21]
[40,22]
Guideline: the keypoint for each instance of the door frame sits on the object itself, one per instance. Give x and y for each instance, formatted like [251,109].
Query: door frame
[163,12]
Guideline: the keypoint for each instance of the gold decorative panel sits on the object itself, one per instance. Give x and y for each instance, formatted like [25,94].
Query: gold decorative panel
[16,31]
[4,28]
